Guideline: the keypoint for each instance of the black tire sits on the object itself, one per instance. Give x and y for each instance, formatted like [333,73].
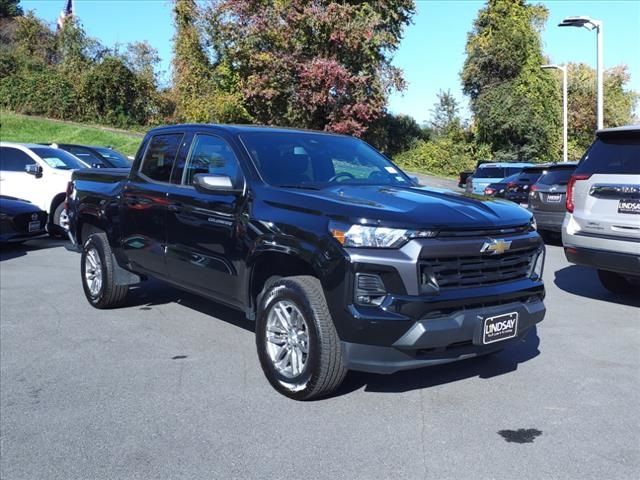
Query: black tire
[615,283]
[55,230]
[110,295]
[324,369]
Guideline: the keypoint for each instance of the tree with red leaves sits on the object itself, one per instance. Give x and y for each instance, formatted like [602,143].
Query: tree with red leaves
[310,63]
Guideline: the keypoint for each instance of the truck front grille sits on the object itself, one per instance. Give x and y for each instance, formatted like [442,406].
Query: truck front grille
[473,271]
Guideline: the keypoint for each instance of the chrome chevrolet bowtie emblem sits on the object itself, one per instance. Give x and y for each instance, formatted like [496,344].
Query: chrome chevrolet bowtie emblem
[495,247]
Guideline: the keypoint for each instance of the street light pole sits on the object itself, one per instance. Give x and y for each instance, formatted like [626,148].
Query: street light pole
[592,24]
[563,69]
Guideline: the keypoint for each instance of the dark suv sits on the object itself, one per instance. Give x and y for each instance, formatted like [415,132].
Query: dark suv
[342,261]
[547,197]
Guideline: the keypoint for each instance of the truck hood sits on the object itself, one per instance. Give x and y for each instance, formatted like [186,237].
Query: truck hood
[404,207]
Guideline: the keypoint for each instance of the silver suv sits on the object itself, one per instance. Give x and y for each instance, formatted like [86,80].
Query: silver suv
[602,225]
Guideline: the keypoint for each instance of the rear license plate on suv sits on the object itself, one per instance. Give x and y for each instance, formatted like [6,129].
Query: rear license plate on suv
[34,226]
[500,327]
[554,197]
[631,205]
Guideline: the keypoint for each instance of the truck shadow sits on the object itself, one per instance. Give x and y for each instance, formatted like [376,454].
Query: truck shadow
[9,251]
[583,281]
[154,292]
[490,366]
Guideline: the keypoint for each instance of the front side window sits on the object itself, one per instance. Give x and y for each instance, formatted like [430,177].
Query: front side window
[211,155]
[14,160]
[316,160]
[160,155]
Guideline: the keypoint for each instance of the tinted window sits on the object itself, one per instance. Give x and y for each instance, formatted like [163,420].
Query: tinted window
[512,170]
[618,155]
[114,157]
[529,175]
[490,172]
[160,156]
[557,176]
[85,155]
[59,159]
[210,154]
[315,160]
[14,160]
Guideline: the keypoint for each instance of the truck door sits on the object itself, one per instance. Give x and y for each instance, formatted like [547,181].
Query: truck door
[144,204]
[205,244]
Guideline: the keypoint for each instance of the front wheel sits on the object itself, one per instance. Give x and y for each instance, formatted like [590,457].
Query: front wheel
[98,274]
[298,346]
[615,283]
[59,222]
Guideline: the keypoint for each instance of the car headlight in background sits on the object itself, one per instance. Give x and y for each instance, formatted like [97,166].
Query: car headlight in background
[376,237]
[533,225]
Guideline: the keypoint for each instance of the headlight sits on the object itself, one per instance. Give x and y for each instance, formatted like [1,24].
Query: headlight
[376,237]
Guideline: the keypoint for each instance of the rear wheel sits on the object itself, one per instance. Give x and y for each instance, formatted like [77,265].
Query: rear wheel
[615,283]
[98,274]
[297,343]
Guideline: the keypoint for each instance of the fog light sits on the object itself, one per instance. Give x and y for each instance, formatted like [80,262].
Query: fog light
[370,289]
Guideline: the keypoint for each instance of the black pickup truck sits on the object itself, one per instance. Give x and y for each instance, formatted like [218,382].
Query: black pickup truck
[342,261]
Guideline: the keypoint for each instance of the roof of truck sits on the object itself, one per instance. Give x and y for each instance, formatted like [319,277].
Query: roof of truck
[232,128]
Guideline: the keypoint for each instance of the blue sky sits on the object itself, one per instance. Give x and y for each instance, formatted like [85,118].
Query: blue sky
[432,51]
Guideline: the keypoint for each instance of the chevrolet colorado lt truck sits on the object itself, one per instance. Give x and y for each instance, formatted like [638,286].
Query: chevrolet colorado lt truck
[339,258]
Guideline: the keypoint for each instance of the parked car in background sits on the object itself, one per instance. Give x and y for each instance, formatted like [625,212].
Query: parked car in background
[95,156]
[498,189]
[341,260]
[20,220]
[518,189]
[462,178]
[40,175]
[489,173]
[602,225]
[547,197]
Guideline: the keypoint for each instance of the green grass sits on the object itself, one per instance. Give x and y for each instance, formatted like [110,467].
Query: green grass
[26,129]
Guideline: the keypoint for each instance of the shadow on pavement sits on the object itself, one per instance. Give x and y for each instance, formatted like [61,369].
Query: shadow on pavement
[10,251]
[153,292]
[583,281]
[483,367]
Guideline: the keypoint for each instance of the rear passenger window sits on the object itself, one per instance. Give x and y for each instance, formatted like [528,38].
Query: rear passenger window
[160,155]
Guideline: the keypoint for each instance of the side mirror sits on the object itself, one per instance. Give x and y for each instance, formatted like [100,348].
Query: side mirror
[34,169]
[415,180]
[97,165]
[208,183]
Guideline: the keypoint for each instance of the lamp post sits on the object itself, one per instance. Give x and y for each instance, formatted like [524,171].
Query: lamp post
[592,24]
[563,69]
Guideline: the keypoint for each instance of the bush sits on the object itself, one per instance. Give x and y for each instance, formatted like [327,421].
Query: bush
[442,156]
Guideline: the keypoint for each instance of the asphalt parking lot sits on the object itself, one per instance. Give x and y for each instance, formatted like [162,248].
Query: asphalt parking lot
[170,387]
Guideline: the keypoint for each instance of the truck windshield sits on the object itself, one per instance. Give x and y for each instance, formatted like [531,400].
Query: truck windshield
[316,160]
[56,158]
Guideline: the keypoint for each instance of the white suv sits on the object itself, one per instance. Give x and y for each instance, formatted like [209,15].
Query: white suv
[602,225]
[40,175]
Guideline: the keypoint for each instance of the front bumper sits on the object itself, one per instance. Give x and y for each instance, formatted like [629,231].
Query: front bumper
[434,341]
[604,260]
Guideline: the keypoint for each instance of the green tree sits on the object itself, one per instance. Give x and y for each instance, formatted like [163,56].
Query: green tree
[445,115]
[516,105]
[619,103]
[10,8]
[204,91]
[392,134]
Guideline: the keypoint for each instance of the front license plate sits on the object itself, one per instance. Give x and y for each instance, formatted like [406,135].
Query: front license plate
[500,327]
[34,226]
[554,198]
[631,205]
